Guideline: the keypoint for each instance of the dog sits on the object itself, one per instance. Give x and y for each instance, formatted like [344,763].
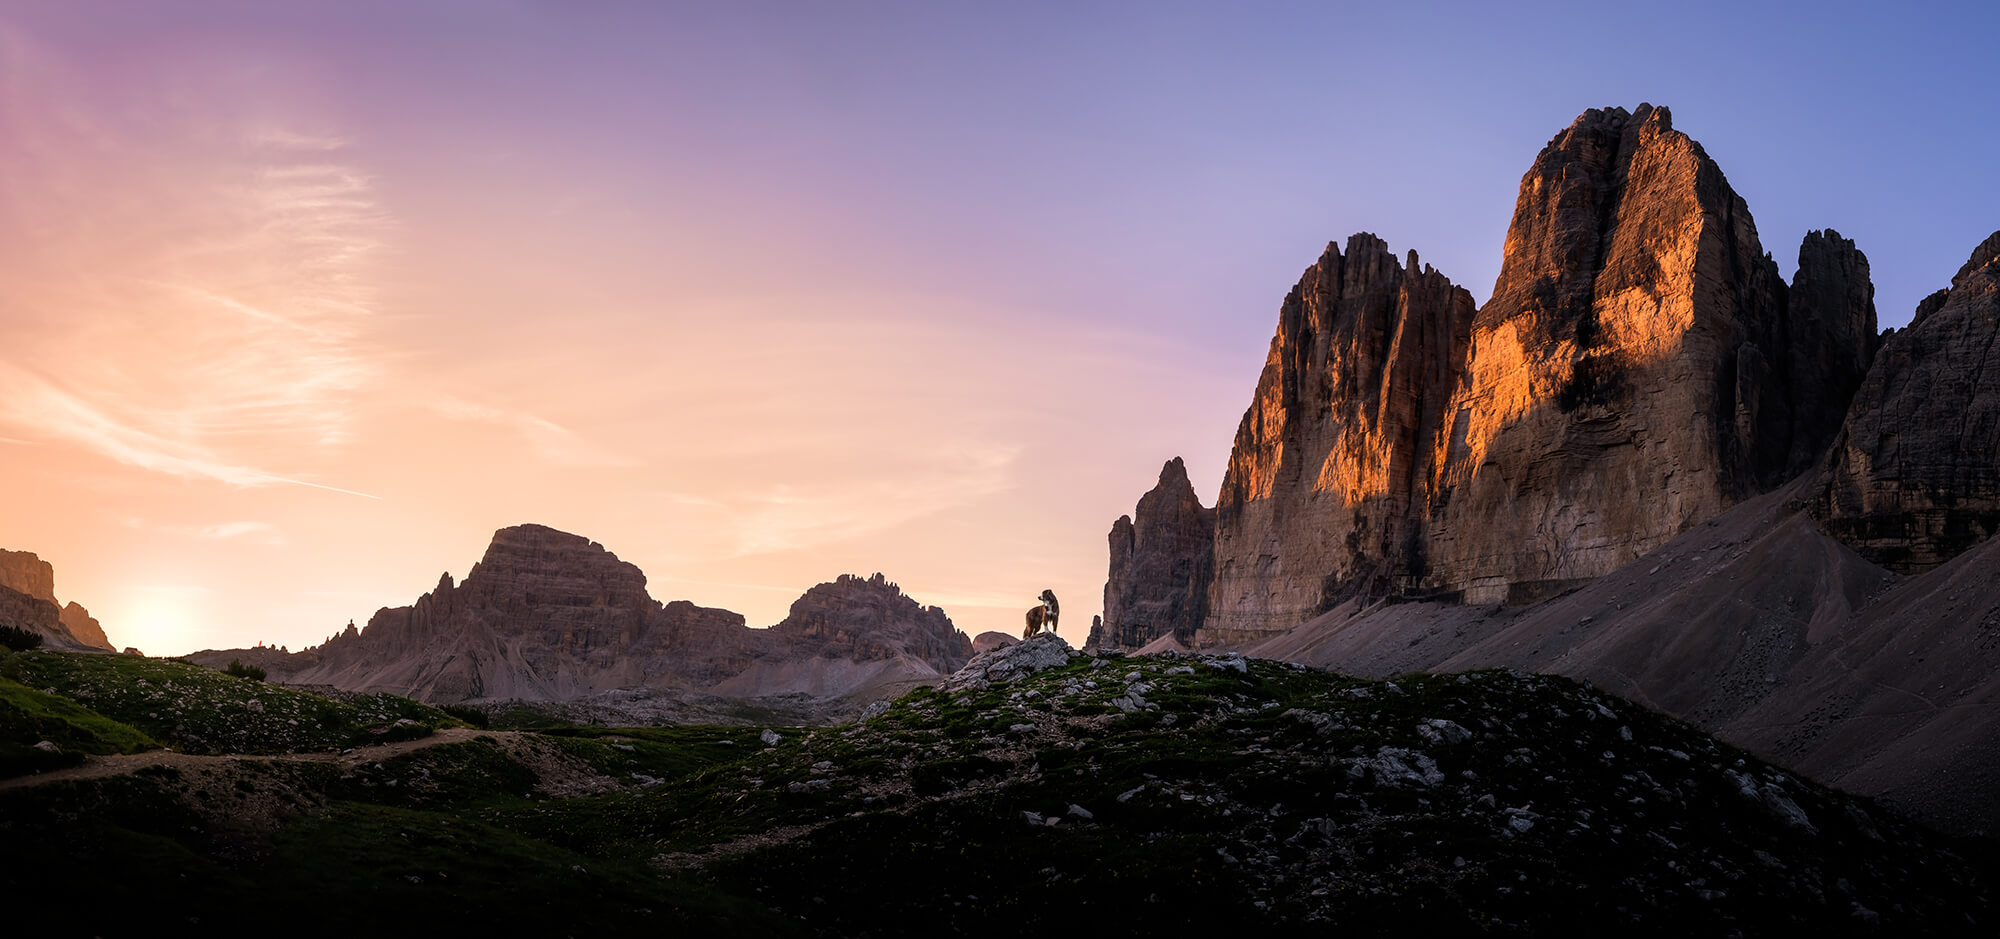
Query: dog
[1043,615]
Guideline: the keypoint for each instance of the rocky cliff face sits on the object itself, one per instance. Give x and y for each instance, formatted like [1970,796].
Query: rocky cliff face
[550,616]
[868,618]
[1832,342]
[1915,479]
[543,615]
[1325,483]
[1628,376]
[84,626]
[1162,559]
[1640,367]
[34,614]
[26,573]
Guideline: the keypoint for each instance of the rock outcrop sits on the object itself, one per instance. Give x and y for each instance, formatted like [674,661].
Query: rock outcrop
[1323,493]
[1037,653]
[866,618]
[550,616]
[1634,371]
[1640,367]
[84,626]
[1162,559]
[543,615]
[851,635]
[34,614]
[1915,479]
[71,627]
[1832,341]
[28,573]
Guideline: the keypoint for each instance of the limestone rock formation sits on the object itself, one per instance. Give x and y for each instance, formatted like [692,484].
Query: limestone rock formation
[1640,367]
[1629,375]
[1915,479]
[34,614]
[550,616]
[1325,483]
[543,615]
[28,573]
[84,626]
[1162,558]
[72,625]
[851,635]
[865,618]
[1832,339]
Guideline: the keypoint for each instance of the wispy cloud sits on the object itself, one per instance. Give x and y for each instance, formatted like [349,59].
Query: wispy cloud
[261,532]
[286,138]
[805,515]
[257,532]
[553,442]
[835,507]
[194,291]
[32,401]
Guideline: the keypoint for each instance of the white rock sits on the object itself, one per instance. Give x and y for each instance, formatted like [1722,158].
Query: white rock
[1442,732]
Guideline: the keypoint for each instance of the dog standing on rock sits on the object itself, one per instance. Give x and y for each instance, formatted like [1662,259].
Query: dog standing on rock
[1044,615]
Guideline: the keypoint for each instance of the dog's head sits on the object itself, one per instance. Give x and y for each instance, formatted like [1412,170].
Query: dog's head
[1048,597]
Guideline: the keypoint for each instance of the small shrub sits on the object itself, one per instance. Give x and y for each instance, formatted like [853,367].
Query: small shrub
[240,670]
[468,714]
[394,733]
[19,640]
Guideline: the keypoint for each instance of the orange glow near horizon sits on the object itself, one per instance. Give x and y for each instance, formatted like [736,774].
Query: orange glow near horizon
[260,386]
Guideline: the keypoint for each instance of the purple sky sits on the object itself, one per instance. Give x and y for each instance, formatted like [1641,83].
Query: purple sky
[925,288]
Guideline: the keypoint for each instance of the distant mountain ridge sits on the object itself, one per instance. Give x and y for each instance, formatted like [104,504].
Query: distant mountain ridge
[1646,461]
[28,601]
[550,616]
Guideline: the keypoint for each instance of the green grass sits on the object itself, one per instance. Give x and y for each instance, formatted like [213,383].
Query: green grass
[200,710]
[28,717]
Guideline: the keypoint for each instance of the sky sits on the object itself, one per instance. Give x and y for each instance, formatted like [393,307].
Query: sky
[300,302]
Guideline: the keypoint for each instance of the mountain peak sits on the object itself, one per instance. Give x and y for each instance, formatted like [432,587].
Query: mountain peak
[1400,443]
[867,618]
[24,572]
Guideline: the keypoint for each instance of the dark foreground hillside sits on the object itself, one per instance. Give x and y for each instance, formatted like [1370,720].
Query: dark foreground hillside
[1039,790]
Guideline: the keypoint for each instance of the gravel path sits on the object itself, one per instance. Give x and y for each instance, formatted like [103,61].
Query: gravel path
[97,767]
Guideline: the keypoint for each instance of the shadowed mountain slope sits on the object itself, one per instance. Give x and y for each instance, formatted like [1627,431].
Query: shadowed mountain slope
[551,616]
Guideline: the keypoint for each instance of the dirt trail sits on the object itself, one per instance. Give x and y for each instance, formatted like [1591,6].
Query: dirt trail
[97,767]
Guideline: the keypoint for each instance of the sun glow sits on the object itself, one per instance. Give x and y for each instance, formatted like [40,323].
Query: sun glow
[159,618]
